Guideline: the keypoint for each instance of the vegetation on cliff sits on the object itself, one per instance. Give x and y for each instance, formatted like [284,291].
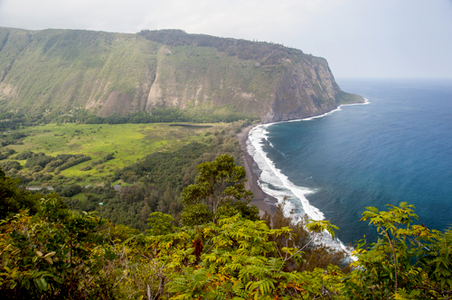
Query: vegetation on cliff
[63,74]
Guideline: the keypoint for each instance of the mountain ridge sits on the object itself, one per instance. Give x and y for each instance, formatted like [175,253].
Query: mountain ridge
[116,74]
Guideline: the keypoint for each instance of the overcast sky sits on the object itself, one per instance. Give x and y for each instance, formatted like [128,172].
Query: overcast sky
[359,38]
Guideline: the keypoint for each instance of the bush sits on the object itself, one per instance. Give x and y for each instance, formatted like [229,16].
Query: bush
[7,153]
[42,176]
[56,254]
[39,159]
[78,159]
[69,191]
[86,168]
[108,157]
[24,155]
[196,214]
[9,165]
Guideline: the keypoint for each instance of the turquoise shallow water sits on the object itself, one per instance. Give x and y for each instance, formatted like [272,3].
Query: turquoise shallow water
[398,147]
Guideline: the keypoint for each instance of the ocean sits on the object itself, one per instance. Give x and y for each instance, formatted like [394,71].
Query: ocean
[396,147]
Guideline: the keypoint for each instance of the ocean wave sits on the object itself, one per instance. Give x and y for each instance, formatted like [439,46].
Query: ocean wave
[273,182]
[339,108]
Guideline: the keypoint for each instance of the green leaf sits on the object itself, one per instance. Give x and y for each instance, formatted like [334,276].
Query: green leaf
[41,284]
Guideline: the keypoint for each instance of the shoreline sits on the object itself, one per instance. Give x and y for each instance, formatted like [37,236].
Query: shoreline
[262,200]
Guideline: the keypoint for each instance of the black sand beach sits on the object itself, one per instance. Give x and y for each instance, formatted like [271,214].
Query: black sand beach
[262,200]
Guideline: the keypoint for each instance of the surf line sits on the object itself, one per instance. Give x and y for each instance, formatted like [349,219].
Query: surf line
[282,186]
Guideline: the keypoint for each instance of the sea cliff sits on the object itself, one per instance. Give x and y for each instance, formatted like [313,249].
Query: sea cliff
[65,71]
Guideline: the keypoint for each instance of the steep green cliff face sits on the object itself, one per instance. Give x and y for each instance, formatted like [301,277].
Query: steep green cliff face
[66,70]
[110,73]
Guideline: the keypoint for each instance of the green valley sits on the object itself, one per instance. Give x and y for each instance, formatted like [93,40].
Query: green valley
[128,143]
[148,163]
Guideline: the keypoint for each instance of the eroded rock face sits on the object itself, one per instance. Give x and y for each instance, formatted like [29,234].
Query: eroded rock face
[110,73]
[306,89]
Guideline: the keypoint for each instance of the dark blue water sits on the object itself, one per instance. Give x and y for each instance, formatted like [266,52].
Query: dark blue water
[396,148]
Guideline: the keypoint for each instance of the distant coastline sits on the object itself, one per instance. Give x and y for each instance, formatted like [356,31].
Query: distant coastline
[394,149]
[262,200]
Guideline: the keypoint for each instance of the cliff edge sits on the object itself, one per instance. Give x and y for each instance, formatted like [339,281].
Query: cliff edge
[63,71]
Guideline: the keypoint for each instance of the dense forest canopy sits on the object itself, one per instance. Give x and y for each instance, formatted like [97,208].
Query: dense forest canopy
[51,252]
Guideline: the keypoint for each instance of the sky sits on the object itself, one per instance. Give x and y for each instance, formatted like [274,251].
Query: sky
[359,38]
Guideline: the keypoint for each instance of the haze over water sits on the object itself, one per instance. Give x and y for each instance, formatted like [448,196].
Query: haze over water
[396,148]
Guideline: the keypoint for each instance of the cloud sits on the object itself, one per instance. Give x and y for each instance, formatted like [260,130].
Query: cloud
[395,37]
[228,16]
[112,15]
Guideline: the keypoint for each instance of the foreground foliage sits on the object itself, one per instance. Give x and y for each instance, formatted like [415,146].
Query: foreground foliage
[407,262]
[50,252]
[220,185]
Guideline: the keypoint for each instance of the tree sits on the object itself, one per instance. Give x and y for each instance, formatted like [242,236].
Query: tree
[160,223]
[407,262]
[55,254]
[234,258]
[196,214]
[315,255]
[219,182]
[12,199]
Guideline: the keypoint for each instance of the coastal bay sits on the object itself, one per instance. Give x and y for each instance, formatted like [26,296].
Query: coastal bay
[397,148]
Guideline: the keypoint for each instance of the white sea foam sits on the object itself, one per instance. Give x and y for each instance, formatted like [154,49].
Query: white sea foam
[339,108]
[273,182]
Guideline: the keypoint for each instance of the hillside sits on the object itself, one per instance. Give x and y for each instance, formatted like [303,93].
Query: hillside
[51,252]
[69,71]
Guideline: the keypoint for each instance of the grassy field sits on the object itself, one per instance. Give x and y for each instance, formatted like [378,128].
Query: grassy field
[128,142]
